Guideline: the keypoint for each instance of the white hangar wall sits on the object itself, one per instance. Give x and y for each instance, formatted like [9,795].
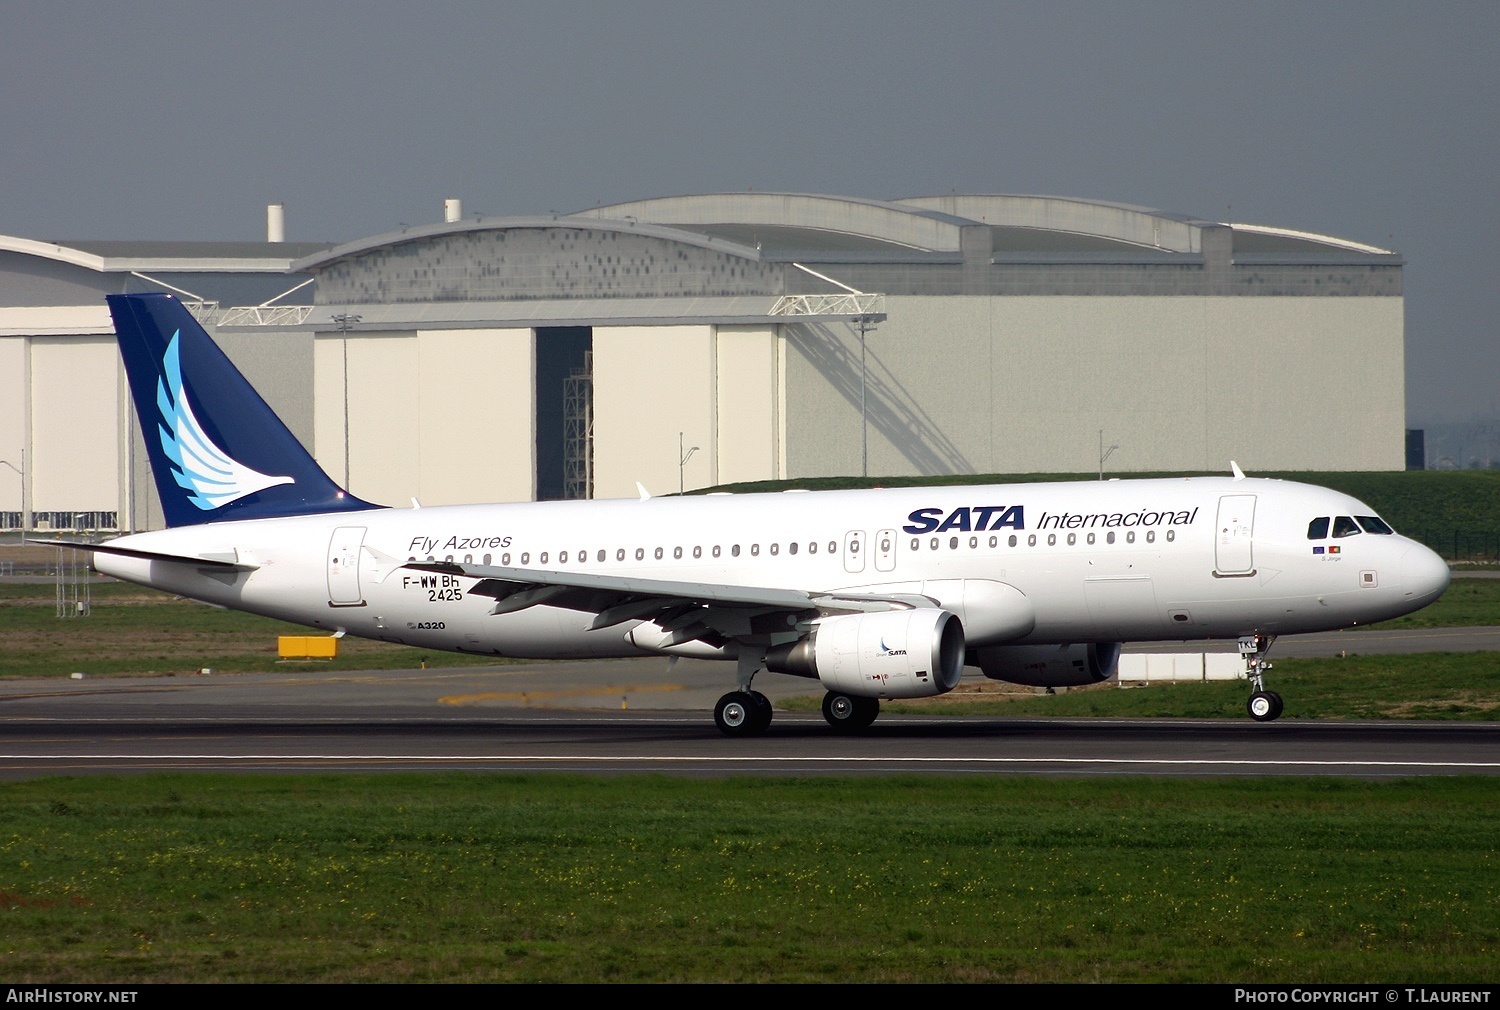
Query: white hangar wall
[718,386]
[1024,384]
[444,416]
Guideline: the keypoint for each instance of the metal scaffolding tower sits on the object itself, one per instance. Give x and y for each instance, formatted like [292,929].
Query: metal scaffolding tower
[74,592]
[578,431]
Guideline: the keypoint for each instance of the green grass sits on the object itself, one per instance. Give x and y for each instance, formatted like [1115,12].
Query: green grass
[141,631]
[1467,603]
[1439,685]
[551,878]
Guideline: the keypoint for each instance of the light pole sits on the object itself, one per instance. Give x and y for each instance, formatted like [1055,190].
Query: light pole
[21,473]
[1103,453]
[682,458]
[865,326]
[346,320]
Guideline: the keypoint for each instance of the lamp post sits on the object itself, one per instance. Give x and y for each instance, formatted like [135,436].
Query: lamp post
[346,320]
[1103,453]
[682,458]
[865,325]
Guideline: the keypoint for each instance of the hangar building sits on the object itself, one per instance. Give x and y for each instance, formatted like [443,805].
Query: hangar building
[500,359]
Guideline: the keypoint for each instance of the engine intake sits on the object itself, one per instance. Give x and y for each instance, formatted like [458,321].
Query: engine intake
[1048,665]
[892,654]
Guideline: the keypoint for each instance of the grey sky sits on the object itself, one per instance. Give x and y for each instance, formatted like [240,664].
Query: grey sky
[1378,122]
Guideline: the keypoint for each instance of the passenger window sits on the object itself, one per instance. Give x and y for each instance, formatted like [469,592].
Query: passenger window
[1091,538]
[619,555]
[1171,535]
[775,549]
[487,559]
[603,555]
[1012,541]
[525,559]
[812,548]
[640,554]
[1051,539]
[1031,540]
[933,543]
[1072,539]
[716,550]
[543,558]
[1130,537]
[697,552]
[658,554]
[994,541]
[953,543]
[1150,536]
[1109,537]
[833,547]
[562,557]
[1372,524]
[973,542]
[1344,526]
[791,548]
[754,550]
[735,551]
[677,552]
[916,544]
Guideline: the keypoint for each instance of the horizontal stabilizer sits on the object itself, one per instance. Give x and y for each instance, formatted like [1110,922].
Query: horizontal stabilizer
[224,560]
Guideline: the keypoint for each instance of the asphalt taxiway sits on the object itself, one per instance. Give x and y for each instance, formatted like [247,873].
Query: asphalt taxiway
[637,716]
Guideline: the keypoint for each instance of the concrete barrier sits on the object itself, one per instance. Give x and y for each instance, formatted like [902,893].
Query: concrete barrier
[1177,667]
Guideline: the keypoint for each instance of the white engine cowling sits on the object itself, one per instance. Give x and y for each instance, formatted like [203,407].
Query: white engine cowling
[1048,665]
[891,654]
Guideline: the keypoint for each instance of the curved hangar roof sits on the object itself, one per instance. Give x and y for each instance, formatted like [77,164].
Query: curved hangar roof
[739,249]
[780,224]
[777,227]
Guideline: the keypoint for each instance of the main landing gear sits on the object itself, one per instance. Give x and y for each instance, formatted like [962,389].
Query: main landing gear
[849,713]
[745,712]
[1262,705]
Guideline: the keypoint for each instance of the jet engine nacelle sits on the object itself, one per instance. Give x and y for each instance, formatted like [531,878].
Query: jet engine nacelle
[1048,665]
[889,654]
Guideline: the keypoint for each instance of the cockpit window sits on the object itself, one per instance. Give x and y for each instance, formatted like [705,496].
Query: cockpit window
[1344,526]
[1318,529]
[1374,524]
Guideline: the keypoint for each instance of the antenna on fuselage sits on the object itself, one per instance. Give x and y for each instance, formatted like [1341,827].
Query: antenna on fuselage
[1235,469]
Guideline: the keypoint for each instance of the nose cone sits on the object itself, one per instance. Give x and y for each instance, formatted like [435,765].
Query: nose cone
[1424,574]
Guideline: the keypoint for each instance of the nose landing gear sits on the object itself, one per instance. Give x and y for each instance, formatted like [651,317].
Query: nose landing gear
[1263,705]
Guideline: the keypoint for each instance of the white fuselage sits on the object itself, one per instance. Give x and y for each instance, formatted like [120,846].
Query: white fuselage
[1109,561]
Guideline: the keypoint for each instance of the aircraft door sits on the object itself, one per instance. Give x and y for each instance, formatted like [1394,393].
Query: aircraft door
[1233,536]
[343,567]
[885,550]
[854,551]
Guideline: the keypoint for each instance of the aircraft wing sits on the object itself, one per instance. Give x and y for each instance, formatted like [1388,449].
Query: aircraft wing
[688,610]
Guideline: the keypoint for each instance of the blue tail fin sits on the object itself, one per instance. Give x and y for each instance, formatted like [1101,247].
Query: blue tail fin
[218,452]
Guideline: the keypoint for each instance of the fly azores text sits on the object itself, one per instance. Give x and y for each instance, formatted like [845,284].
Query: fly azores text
[427,545]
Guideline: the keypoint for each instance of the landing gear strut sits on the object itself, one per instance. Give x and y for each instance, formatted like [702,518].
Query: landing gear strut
[1262,705]
[849,713]
[745,712]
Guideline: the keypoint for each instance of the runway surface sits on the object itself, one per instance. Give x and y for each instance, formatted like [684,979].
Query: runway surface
[633,716]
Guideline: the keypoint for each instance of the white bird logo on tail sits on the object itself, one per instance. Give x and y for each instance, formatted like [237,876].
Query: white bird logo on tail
[201,468]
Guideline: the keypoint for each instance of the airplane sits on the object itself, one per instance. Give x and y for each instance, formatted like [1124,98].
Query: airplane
[877,594]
